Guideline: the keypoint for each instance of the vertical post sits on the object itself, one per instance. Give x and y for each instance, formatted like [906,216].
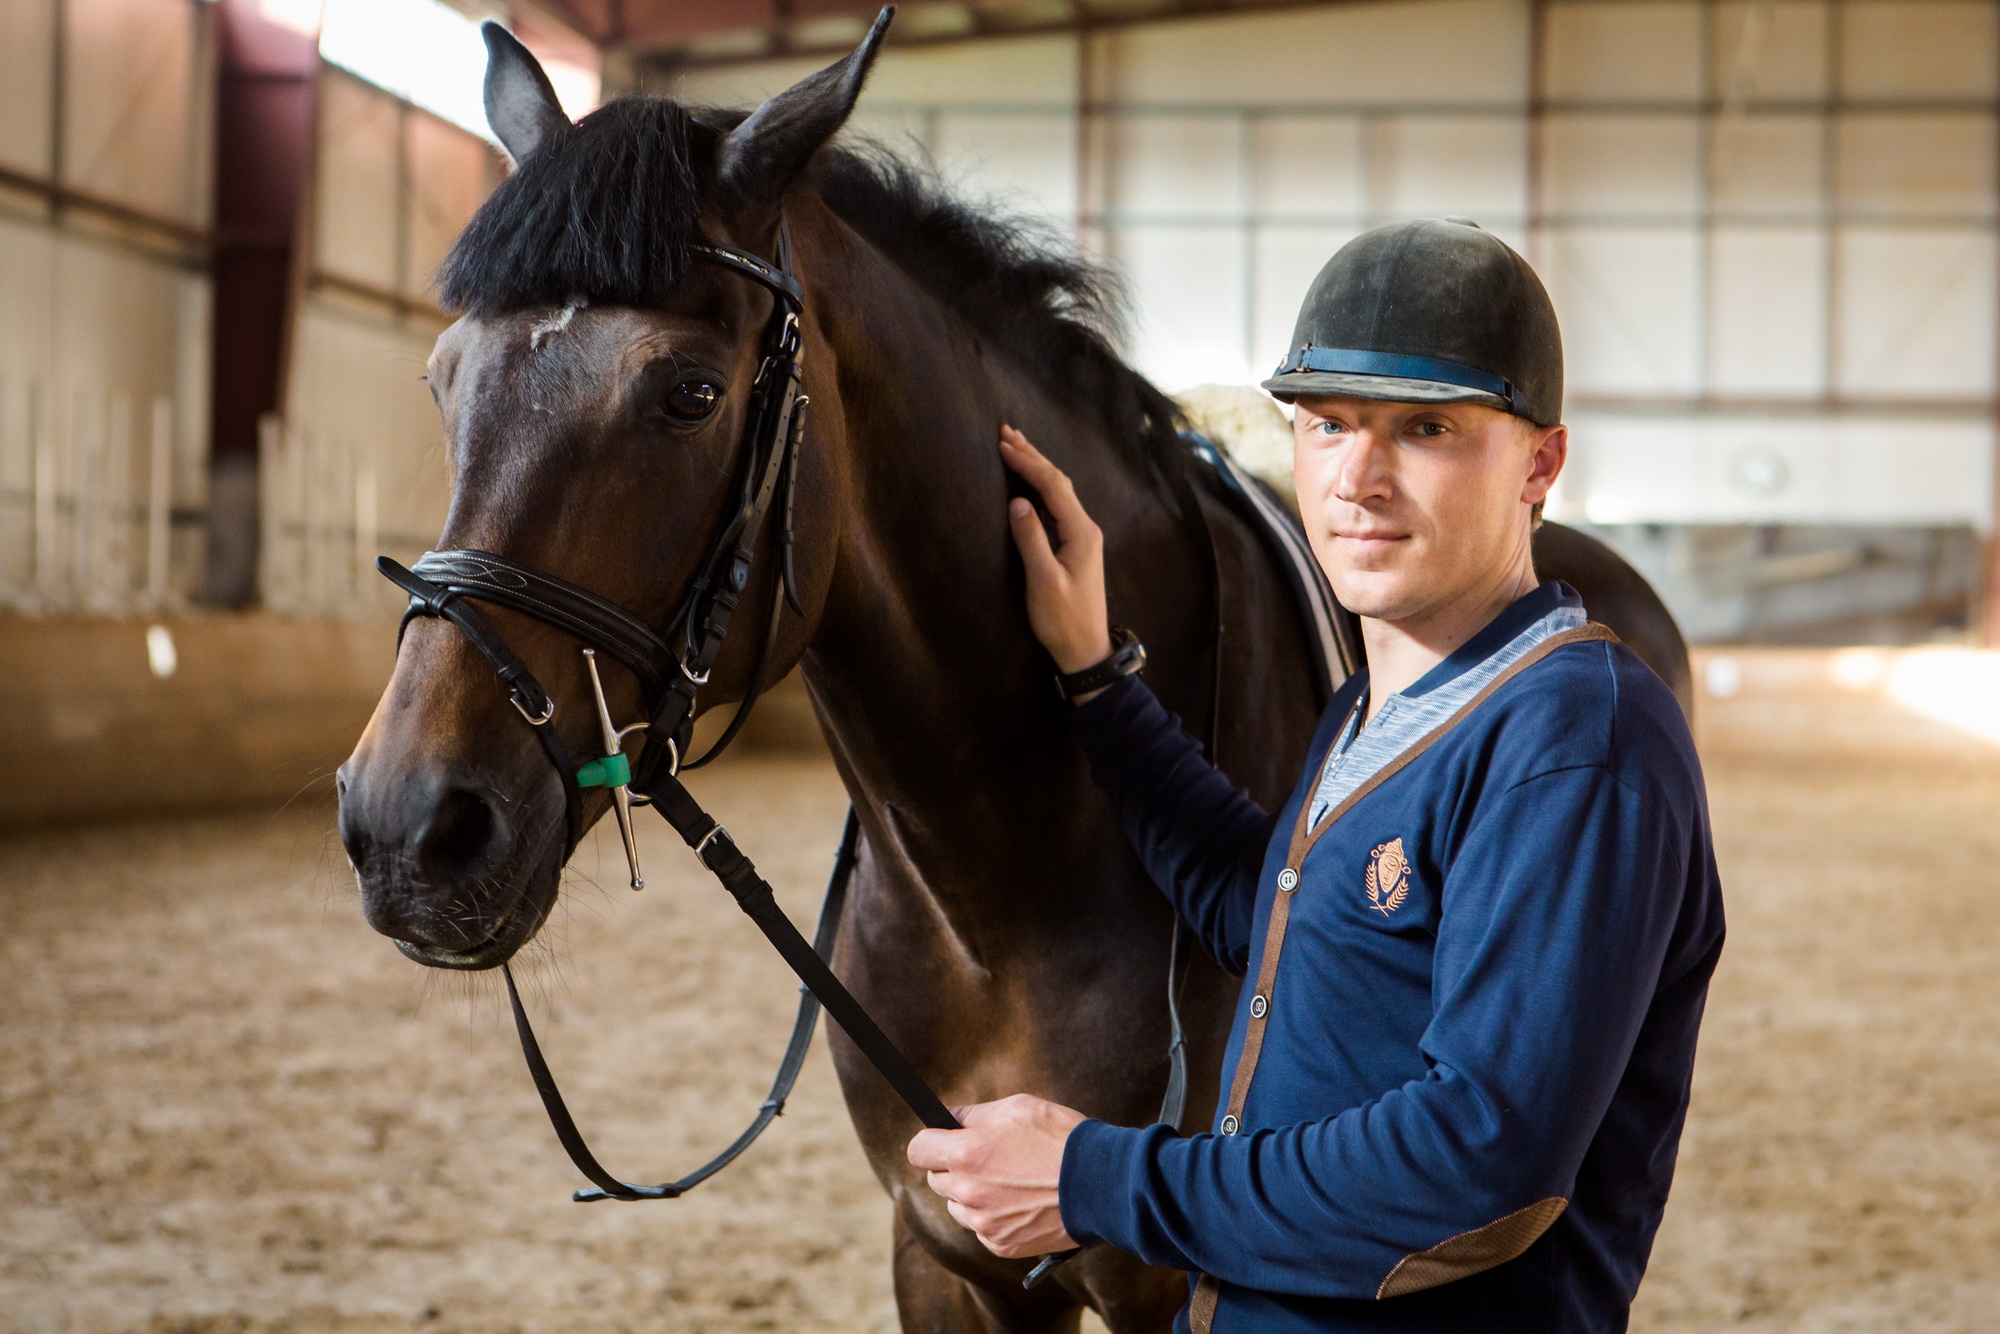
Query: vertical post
[1086,138]
[269,479]
[10,590]
[116,554]
[1829,146]
[1536,114]
[366,522]
[58,97]
[159,501]
[1705,123]
[85,429]
[268,72]
[314,476]
[42,448]
[1989,608]
[1246,168]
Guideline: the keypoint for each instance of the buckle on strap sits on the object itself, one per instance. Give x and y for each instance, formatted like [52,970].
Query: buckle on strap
[548,708]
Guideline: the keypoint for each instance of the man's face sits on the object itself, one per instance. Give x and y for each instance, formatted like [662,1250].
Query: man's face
[1410,507]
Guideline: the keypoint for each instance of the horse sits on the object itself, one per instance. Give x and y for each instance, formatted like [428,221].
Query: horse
[592,393]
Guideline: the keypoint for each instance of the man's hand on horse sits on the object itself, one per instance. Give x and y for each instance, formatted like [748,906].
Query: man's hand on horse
[1065,581]
[998,1176]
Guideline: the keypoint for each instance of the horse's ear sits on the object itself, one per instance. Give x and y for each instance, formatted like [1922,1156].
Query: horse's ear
[760,157]
[521,104]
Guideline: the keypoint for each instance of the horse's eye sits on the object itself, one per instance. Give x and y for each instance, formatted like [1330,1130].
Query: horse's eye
[692,399]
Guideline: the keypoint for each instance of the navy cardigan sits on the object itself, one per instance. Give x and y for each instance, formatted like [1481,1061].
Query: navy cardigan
[1510,1044]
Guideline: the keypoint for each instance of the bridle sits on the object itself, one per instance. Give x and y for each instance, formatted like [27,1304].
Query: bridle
[669,673]
[671,669]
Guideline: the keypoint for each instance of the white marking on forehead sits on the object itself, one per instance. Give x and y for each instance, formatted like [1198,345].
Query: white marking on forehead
[554,324]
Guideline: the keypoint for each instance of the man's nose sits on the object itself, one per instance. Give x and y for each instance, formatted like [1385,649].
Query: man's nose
[1362,475]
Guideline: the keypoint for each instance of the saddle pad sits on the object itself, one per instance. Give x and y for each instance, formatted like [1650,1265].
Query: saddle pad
[1331,632]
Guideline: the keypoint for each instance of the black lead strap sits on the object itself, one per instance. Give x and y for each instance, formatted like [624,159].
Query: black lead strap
[610,1187]
[719,853]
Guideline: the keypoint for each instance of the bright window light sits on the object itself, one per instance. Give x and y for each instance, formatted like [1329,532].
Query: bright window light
[420,50]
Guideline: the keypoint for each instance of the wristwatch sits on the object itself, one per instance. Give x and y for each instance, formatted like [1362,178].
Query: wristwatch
[1128,656]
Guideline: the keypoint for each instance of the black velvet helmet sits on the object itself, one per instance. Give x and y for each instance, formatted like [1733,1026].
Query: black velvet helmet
[1436,311]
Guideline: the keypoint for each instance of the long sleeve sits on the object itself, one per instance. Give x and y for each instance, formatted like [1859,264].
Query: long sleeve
[1557,917]
[1200,836]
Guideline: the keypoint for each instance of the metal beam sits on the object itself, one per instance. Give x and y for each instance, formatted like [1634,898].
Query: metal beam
[268,78]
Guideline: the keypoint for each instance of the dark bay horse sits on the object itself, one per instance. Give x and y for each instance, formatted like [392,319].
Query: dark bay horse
[998,927]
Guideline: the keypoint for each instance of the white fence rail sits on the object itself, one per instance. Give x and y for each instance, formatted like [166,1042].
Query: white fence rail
[87,509]
[320,531]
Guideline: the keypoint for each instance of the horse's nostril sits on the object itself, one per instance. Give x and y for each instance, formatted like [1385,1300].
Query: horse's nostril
[459,837]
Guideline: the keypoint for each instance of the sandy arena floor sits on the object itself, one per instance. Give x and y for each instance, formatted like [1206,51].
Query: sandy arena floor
[227,1107]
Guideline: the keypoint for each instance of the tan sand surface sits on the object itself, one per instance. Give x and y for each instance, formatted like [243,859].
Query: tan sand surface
[227,1107]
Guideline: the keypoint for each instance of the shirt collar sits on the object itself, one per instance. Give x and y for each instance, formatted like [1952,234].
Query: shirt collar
[1499,632]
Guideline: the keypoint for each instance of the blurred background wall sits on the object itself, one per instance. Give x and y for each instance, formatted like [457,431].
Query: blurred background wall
[1769,227]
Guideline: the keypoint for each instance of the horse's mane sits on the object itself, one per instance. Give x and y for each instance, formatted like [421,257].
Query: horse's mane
[610,210]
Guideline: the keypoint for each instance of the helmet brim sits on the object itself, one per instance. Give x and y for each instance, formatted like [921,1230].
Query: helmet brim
[1386,388]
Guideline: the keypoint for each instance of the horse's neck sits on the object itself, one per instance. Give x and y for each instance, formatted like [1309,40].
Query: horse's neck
[937,700]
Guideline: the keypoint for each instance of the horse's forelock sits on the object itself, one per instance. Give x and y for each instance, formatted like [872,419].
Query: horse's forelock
[607,210]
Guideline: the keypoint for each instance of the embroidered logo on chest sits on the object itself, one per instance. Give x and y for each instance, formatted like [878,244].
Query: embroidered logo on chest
[1388,877]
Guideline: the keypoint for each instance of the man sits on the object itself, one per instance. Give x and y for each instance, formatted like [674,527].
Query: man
[1480,933]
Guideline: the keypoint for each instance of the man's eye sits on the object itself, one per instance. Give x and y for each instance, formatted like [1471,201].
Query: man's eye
[1327,428]
[692,399]
[1430,428]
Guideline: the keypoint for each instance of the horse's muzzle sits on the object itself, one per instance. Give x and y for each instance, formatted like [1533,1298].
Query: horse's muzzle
[458,876]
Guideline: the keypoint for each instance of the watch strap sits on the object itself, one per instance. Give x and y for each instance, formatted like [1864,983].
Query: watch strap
[1128,657]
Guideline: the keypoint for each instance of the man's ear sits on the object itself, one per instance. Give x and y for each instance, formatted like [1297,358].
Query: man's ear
[1550,450]
[760,158]
[521,104]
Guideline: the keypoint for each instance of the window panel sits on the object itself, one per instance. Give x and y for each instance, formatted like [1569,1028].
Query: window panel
[1915,311]
[450,173]
[1431,166]
[1625,298]
[1188,283]
[24,87]
[1769,50]
[1767,312]
[1912,165]
[129,103]
[1604,165]
[1921,49]
[354,196]
[1626,51]
[1308,166]
[1766,165]
[1175,166]
[903,128]
[1027,163]
[1455,51]
[1288,259]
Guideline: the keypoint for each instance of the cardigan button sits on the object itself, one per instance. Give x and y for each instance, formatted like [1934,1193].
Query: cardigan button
[1230,1125]
[1288,880]
[1257,1007]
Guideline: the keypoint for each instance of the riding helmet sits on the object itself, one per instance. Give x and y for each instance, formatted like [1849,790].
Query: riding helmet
[1434,311]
